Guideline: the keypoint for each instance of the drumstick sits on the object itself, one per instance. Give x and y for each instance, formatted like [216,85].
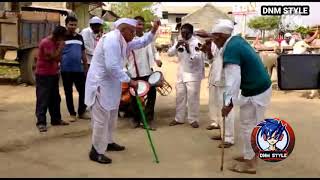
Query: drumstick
[146,126]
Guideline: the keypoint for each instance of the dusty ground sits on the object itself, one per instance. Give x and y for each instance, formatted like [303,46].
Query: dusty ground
[183,151]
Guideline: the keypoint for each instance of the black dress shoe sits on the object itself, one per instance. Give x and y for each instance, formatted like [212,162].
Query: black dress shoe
[115,147]
[100,158]
[195,124]
[216,138]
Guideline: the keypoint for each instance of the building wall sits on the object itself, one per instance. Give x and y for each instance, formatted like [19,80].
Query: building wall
[50,4]
[172,18]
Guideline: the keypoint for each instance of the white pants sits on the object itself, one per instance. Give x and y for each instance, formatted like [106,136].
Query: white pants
[103,125]
[188,100]
[215,106]
[250,115]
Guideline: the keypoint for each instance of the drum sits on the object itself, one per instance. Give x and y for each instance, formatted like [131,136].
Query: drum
[155,79]
[163,87]
[125,95]
[143,89]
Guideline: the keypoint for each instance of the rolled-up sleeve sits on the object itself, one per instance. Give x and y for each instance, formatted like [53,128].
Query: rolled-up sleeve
[232,83]
[141,42]
[113,61]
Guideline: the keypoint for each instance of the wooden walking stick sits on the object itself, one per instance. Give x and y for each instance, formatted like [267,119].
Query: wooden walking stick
[223,135]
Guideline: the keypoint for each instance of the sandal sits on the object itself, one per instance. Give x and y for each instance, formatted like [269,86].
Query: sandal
[242,169]
[42,128]
[239,158]
[226,145]
[61,123]
[174,122]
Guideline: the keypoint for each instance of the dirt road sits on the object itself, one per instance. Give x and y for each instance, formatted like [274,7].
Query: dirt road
[183,151]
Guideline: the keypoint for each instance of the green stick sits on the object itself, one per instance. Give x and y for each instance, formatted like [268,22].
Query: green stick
[146,127]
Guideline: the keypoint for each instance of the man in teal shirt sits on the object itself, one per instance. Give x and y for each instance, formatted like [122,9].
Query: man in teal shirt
[243,70]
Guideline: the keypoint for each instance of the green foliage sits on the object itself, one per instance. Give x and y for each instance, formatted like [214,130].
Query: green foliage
[303,30]
[132,9]
[264,23]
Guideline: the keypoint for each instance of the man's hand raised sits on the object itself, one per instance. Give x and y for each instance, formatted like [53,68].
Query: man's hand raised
[156,23]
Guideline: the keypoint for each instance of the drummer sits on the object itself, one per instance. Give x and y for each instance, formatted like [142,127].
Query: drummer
[140,68]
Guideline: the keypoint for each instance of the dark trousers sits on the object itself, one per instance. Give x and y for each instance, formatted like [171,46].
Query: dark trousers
[149,108]
[79,80]
[48,97]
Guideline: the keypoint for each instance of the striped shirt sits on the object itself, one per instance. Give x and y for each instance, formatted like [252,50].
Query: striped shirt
[72,54]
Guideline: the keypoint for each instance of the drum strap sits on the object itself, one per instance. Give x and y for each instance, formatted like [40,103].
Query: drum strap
[135,64]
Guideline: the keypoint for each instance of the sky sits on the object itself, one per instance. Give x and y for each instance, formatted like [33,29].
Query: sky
[312,19]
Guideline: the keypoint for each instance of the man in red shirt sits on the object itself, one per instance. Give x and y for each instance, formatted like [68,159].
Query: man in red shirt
[47,79]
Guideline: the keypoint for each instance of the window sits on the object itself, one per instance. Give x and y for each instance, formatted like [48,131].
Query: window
[165,14]
[178,19]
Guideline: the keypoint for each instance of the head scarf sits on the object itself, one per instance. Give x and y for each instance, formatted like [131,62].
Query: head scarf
[95,20]
[128,21]
[224,26]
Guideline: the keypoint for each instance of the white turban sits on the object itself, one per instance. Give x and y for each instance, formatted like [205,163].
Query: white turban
[224,26]
[288,35]
[129,21]
[95,20]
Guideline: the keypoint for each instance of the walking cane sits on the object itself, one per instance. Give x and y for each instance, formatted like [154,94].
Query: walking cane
[146,126]
[223,135]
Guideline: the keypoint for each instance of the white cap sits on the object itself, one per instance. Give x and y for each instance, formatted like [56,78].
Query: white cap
[129,21]
[224,26]
[288,35]
[95,20]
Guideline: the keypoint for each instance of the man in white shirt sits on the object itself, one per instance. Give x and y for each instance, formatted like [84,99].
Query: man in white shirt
[288,40]
[140,68]
[103,85]
[216,90]
[91,36]
[189,76]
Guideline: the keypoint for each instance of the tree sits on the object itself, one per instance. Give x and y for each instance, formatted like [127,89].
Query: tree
[264,23]
[303,30]
[132,9]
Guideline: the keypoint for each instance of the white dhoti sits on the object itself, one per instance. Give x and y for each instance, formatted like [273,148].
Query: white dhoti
[215,106]
[252,111]
[188,101]
[103,126]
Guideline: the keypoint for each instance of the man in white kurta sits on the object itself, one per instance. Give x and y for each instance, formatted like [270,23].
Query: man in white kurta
[216,90]
[140,67]
[189,76]
[103,85]
[91,36]
[243,70]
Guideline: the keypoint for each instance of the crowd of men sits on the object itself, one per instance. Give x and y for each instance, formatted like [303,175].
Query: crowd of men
[99,63]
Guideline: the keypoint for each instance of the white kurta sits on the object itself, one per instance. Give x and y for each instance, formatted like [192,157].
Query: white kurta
[252,109]
[191,66]
[145,60]
[90,41]
[103,84]
[106,69]
[216,90]
[189,76]
[291,42]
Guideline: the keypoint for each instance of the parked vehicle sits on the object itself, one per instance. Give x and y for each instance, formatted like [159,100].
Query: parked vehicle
[20,33]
